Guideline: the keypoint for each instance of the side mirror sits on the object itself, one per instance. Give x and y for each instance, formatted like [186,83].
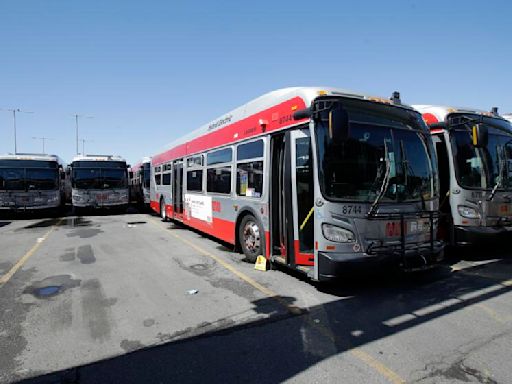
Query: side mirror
[338,123]
[63,175]
[302,114]
[130,174]
[480,135]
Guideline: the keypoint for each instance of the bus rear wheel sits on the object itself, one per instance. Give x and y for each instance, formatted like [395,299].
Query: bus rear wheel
[251,238]
[163,215]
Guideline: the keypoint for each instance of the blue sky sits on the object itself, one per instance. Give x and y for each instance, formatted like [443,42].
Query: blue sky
[150,71]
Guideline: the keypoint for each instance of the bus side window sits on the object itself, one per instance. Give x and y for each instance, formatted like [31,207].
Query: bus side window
[249,169]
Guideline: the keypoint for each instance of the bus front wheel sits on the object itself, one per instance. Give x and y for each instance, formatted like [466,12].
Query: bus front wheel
[251,238]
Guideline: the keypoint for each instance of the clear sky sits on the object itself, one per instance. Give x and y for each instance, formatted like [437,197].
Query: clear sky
[150,71]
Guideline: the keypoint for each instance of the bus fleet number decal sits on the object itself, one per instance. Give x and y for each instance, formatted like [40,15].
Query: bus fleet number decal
[351,209]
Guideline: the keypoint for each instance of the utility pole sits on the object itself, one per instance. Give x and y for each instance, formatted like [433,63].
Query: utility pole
[43,139]
[14,110]
[76,115]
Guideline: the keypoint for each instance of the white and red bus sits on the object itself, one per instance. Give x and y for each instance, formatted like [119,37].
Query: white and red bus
[474,150]
[99,181]
[139,181]
[31,182]
[318,179]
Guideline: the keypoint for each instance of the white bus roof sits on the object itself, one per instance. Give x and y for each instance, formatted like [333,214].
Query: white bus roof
[438,113]
[266,102]
[98,158]
[508,116]
[144,160]
[32,156]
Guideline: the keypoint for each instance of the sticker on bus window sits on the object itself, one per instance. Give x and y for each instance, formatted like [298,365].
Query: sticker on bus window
[244,183]
[249,192]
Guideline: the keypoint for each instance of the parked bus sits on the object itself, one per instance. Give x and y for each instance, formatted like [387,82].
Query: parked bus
[99,181]
[139,181]
[31,182]
[315,179]
[474,150]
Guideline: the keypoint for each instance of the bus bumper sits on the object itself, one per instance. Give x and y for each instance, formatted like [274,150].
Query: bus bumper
[467,236]
[332,265]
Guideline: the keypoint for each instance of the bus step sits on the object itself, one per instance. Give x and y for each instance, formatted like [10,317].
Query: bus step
[308,270]
[279,259]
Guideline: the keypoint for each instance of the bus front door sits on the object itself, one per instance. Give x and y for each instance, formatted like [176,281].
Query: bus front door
[302,197]
[292,226]
[177,190]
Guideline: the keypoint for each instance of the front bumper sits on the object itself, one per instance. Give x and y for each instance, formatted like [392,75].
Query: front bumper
[333,264]
[468,236]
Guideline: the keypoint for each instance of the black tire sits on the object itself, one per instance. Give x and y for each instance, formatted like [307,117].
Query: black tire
[251,238]
[163,215]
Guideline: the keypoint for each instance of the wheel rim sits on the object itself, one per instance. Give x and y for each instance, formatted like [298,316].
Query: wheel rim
[252,237]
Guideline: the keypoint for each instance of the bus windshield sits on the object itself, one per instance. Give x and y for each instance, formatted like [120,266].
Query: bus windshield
[28,179]
[381,150]
[99,178]
[483,168]
[42,179]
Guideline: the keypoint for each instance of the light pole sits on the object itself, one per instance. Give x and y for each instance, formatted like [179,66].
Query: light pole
[14,110]
[76,115]
[43,139]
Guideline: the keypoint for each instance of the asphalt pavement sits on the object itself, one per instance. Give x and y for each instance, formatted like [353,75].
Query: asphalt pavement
[128,298]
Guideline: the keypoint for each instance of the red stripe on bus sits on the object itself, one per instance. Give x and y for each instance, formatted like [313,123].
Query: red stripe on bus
[220,228]
[168,210]
[267,244]
[274,118]
[155,206]
[430,118]
[302,258]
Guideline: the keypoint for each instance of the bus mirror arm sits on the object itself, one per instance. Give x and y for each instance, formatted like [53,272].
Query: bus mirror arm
[302,114]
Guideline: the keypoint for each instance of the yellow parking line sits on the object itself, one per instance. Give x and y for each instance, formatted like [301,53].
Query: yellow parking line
[360,354]
[5,278]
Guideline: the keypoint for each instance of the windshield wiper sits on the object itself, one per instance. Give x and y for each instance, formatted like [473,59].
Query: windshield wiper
[385,182]
[501,175]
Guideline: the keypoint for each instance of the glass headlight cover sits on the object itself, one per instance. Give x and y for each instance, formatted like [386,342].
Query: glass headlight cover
[468,212]
[337,234]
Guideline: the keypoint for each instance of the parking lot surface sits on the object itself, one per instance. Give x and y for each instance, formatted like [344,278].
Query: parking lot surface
[129,298]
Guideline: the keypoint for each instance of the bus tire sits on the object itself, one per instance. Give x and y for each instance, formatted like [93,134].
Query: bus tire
[251,238]
[163,215]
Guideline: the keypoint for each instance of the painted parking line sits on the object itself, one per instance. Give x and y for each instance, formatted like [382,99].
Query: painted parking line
[369,360]
[5,278]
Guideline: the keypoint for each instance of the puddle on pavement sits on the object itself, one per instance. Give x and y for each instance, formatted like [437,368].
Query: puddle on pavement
[71,222]
[51,286]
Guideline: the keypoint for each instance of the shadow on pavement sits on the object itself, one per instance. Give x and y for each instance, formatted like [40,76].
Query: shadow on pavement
[283,345]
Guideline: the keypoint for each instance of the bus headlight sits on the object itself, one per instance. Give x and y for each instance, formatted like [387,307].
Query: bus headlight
[468,212]
[337,234]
